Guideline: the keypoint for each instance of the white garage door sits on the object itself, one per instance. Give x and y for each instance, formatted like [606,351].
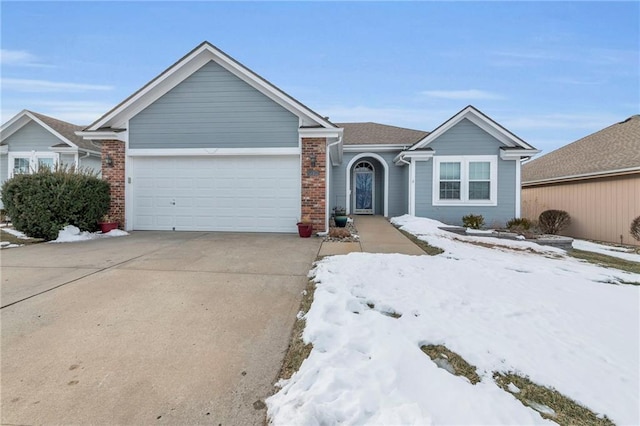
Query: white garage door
[247,194]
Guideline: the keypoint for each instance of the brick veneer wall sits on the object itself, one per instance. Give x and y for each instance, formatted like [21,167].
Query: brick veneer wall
[115,176]
[314,180]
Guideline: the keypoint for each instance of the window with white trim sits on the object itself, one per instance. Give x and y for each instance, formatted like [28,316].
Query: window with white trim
[470,180]
[30,162]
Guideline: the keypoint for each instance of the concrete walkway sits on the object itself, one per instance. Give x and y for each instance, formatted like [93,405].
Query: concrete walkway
[377,235]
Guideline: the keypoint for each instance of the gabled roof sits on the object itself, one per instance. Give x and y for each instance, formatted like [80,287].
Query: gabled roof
[615,149]
[483,121]
[62,130]
[377,134]
[183,68]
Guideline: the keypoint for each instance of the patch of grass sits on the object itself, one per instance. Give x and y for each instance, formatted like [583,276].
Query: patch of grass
[298,351]
[460,366]
[607,261]
[5,236]
[567,411]
[426,247]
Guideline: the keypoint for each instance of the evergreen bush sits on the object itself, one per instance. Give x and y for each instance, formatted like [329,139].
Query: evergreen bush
[42,203]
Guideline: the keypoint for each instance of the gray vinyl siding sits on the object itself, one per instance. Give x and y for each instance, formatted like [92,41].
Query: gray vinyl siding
[397,184]
[68,160]
[467,139]
[31,137]
[93,163]
[213,108]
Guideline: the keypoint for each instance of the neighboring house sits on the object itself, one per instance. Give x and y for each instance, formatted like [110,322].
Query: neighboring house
[30,140]
[210,145]
[595,179]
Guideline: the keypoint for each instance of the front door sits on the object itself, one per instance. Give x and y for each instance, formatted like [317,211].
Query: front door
[363,176]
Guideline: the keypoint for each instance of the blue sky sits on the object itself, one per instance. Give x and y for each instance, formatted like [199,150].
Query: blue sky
[551,72]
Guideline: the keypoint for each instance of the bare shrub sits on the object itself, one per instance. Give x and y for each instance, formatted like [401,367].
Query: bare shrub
[553,221]
[635,228]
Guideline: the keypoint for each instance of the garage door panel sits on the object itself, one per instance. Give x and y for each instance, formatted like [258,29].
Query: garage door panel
[257,194]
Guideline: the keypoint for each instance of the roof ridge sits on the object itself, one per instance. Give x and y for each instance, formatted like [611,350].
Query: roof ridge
[382,124]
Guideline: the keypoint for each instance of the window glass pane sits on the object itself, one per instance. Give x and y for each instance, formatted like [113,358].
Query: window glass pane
[449,190]
[45,162]
[20,165]
[450,171]
[479,191]
[479,170]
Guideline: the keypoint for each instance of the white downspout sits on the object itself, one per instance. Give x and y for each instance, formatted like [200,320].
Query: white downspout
[328,183]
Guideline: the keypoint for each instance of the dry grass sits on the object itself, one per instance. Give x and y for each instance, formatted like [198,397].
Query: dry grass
[426,247]
[5,236]
[607,261]
[567,411]
[460,366]
[339,233]
[298,351]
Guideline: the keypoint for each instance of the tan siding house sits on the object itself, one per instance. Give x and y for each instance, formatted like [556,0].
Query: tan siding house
[595,179]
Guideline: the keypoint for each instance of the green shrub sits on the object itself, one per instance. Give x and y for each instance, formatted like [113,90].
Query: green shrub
[635,228]
[553,221]
[519,223]
[473,221]
[43,203]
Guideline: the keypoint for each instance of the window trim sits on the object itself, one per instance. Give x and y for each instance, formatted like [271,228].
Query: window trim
[29,155]
[464,161]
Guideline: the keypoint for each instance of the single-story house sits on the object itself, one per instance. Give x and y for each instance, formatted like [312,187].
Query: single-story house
[595,179]
[30,140]
[210,145]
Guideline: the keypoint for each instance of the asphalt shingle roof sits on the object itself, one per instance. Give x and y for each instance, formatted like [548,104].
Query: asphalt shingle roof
[374,133]
[68,131]
[616,147]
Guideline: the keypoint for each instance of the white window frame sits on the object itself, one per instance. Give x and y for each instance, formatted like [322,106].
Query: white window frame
[464,161]
[33,157]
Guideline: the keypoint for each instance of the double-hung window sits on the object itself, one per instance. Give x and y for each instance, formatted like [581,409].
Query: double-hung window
[465,180]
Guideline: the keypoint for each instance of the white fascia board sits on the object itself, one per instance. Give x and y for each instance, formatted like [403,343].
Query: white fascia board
[187,66]
[103,135]
[185,152]
[60,150]
[481,121]
[518,154]
[561,179]
[320,132]
[14,124]
[21,119]
[374,148]
[399,160]
[50,130]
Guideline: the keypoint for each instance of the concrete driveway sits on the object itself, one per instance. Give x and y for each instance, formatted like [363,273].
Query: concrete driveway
[156,327]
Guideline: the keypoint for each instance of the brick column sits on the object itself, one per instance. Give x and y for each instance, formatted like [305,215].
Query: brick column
[114,174]
[314,181]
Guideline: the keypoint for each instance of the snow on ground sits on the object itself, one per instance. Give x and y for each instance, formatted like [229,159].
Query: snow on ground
[16,233]
[618,252]
[544,315]
[72,233]
[7,244]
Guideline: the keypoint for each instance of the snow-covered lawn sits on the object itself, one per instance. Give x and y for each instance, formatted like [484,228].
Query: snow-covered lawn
[618,252]
[541,314]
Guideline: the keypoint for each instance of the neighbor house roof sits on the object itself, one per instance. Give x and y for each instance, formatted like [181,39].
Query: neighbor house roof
[375,134]
[68,131]
[64,131]
[613,150]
